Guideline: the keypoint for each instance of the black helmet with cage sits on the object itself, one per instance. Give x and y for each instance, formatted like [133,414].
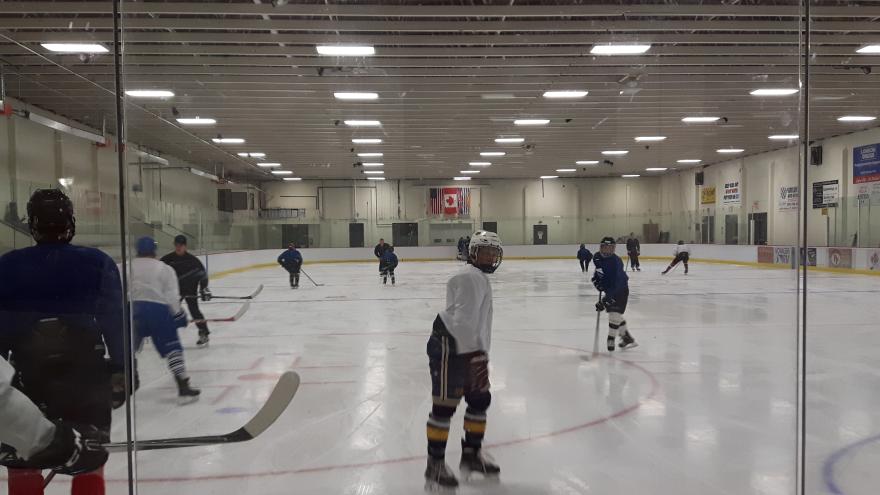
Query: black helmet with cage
[50,216]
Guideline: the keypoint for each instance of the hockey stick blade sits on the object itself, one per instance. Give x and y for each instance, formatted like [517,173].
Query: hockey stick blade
[275,405]
[235,317]
[312,280]
[251,296]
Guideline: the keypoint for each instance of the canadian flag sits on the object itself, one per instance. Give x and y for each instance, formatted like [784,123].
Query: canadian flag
[450,201]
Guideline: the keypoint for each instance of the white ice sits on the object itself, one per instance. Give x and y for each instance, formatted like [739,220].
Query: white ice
[706,403]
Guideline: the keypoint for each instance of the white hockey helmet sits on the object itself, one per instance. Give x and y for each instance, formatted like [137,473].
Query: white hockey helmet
[483,239]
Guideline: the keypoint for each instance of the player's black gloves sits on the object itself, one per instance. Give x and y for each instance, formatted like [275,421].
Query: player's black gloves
[72,451]
[604,304]
[206,294]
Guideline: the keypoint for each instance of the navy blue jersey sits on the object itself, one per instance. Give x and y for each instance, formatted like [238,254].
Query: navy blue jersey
[610,275]
[290,258]
[389,260]
[80,285]
[584,254]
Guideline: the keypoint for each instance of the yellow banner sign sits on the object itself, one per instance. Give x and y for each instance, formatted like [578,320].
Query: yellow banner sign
[707,196]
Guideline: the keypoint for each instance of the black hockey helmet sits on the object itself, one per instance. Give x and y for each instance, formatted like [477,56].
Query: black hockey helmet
[180,240]
[607,246]
[50,216]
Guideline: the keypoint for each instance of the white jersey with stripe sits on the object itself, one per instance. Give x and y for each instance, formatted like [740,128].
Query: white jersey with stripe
[468,313]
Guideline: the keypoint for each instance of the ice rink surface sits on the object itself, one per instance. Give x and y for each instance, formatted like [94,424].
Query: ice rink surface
[705,405]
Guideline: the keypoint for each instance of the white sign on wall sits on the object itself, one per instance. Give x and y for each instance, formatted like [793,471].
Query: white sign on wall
[732,194]
[788,198]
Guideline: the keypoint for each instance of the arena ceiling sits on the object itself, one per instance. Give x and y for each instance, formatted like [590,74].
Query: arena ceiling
[450,77]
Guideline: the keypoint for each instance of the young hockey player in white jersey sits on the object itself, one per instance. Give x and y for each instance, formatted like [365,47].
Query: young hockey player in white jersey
[157,313]
[682,255]
[459,363]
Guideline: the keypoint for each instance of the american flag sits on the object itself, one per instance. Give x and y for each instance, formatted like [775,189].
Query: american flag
[449,201]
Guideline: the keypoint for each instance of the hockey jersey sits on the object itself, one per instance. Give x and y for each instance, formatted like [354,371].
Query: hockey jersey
[78,284]
[389,261]
[190,271]
[22,424]
[291,259]
[468,313]
[610,276]
[681,248]
[154,281]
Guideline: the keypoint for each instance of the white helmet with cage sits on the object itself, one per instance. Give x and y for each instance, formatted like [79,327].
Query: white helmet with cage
[485,240]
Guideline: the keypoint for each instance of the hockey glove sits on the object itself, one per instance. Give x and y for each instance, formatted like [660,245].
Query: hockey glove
[180,320]
[72,451]
[206,294]
[604,304]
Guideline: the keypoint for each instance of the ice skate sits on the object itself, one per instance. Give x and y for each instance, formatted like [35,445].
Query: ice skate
[475,461]
[384,280]
[393,281]
[610,343]
[627,341]
[203,340]
[438,476]
[185,393]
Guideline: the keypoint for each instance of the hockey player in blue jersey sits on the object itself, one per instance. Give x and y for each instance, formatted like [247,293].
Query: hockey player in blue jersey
[61,310]
[613,284]
[157,314]
[388,264]
[291,260]
[584,256]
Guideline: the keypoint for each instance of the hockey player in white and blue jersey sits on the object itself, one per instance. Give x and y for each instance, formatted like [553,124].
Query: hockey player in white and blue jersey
[611,280]
[157,313]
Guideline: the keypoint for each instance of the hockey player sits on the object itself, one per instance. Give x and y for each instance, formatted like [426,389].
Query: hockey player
[610,278]
[292,261]
[379,250]
[157,313]
[584,256]
[191,276]
[389,263]
[61,325]
[633,250]
[682,255]
[459,364]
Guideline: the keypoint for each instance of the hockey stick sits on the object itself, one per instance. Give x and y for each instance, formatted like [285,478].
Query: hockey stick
[596,337]
[235,317]
[251,296]
[310,278]
[275,405]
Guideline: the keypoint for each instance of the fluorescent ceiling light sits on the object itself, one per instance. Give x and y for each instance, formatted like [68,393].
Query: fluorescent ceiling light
[497,96]
[730,150]
[856,118]
[615,152]
[282,172]
[531,121]
[587,162]
[373,164]
[480,164]
[650,138]
[252,155]
[150,93]
[700,119]
[784,137]
[368,155]
[196,121]
[293,178]
[363,123]
[656,169]
[375,178]
[345,50]
[509,140]
[492,153]
[619,49]
[870,49]
[228,140]
[374,172]
[468,172]
[74,131]
[74,47]
[549,177]
[689,160]
[630,176]
[566,170]
[206,175]
[565,94]
[268,165]
[355,96]
[366,141]
[461,178]
[774,92]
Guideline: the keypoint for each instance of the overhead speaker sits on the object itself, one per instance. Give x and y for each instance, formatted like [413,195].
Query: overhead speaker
[816,155]
[699,179]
